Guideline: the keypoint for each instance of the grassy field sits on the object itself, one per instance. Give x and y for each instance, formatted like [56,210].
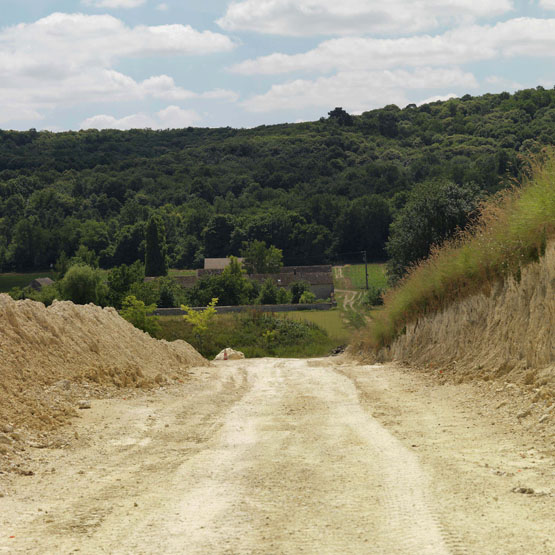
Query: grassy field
[178,273]
[355,274]
[330,320]
[8,281]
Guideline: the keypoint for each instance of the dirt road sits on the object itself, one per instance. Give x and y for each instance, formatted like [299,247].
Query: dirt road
[289,456]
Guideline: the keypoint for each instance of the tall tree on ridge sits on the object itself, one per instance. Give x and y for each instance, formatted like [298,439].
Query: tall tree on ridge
[156,263]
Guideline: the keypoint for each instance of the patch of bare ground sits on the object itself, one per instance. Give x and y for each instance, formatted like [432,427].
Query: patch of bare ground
[290,456]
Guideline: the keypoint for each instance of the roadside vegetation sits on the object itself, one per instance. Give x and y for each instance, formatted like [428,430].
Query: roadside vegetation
[253,333]
[510,231]
[80,280]
[332,321]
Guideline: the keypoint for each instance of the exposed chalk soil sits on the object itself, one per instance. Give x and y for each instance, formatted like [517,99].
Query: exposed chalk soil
[52,359]
[290,456]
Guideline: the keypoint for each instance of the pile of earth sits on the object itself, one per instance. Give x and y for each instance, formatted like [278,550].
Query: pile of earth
[51,358]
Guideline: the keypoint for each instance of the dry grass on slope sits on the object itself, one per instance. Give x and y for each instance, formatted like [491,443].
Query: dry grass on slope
[512,231]
[49,354]
[507,335]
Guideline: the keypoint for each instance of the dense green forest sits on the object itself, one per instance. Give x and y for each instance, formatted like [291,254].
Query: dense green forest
[317,190]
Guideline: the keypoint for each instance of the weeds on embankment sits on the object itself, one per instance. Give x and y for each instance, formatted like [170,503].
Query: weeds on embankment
[511,230]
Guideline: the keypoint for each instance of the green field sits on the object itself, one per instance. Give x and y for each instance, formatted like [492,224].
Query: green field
[330,320]
[356,276]
[179,273]
[9,281]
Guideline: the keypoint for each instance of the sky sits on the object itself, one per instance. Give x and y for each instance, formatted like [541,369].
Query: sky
[80,64]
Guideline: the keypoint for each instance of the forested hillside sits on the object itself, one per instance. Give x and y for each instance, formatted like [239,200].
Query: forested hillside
[316,190]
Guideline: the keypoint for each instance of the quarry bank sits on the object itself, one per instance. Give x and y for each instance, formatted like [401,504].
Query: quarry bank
[504,337]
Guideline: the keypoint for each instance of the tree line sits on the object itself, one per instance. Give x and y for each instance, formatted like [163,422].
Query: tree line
[315,190]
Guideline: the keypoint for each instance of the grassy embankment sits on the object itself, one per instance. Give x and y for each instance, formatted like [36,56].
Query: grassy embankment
[329,320]
[512,230]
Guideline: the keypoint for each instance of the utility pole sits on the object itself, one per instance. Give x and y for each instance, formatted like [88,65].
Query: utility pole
[365,268]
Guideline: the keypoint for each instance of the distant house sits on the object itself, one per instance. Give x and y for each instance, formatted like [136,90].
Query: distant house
[218,263]
[320,278]
[39,283]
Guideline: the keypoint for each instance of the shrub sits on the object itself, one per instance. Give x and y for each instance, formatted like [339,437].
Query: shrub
[83,284]
[268,292]
[200,319]
[307,298]
[374,296]
[283,296]
[136,312]
[297,289]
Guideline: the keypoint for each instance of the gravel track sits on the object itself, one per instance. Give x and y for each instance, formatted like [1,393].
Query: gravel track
[284,456]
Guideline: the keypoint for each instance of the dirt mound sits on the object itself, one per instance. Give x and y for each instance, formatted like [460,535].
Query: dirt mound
[51,356]
[507,336]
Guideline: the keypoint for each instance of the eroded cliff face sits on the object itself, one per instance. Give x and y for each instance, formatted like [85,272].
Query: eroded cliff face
[508,334]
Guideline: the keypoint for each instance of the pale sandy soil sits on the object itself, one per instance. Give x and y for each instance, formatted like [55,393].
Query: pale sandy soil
[290,456]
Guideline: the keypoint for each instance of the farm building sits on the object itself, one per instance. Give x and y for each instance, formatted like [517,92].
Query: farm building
[320,278]
[39,283]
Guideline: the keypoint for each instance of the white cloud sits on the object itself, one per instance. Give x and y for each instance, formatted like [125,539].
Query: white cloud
[547,4]
[320,17]
[114,3]
[220,94]
[96,85]
[171,117]
[103,39]
[516,37]
[442,97]
[502,84]
[14,110]
[164,87]
[66,59]
[163,7]
[358,91]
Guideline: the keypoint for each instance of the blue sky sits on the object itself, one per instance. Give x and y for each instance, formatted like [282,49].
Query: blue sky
[76,64]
